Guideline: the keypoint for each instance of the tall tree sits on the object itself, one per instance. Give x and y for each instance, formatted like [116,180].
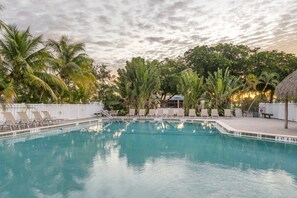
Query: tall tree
[204,59]
[220,86]
[268,80]
[24,67]
[170,70]
[71,64]
[191,87]
[138,81]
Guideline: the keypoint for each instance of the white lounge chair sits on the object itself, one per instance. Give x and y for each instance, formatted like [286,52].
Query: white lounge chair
[114,112]
[10,121]
[227,113]
[49,118]
[180,113]
[204,113]
[131,112]
[24,119]
[192,113]
[151,113]
[38,119]
[160,113]
[170,113]
[215,113]
[141,112]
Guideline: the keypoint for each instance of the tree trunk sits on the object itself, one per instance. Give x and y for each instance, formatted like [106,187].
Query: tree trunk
[271,96]
[286,113]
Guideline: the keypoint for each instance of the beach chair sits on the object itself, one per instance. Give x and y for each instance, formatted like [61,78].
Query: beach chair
[192,113]
[170,113]
[204,113]
[38,119]
[227,113]
[159,113]
[214,113]
[49,118]
[151,113]
[10,121]
[131,112]
[141,112]
[114,112]
[24,119]
[180,113]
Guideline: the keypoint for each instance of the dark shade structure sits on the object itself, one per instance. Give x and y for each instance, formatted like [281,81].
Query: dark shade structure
[287,89]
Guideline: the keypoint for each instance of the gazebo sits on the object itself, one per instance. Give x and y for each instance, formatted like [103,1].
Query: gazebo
[287,89]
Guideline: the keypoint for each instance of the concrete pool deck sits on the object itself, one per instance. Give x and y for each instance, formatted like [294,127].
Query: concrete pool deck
[262,125]
[260,128]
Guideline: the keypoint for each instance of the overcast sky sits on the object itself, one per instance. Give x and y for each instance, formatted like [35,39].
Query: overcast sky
[116,30]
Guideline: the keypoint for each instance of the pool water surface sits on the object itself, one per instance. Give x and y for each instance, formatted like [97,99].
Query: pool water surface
[147,159]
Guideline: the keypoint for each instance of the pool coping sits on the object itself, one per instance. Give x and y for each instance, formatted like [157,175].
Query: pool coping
[219,124]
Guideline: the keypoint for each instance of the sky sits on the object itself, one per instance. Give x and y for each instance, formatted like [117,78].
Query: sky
[115,31]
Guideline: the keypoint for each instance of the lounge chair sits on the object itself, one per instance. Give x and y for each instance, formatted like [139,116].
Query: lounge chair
[215,113]
[204,113]
[131,112]
[180,113]
[170,113]
[160,113]
[152,112]
[38,120]
[227,113]
[192,113]
[10,121]
[24,119]
[49,118]
[114,112]
[141,112]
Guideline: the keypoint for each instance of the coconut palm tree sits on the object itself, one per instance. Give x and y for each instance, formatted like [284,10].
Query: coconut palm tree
[70,63]
[220,86]
[24,67]
[1,22]
[191,87]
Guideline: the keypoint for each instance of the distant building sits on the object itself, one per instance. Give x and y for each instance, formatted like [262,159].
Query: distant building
[176,101]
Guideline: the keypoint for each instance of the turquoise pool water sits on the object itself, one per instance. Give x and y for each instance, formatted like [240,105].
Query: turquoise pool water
[136,159]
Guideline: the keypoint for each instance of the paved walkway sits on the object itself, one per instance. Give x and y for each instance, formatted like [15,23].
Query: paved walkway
[262,125]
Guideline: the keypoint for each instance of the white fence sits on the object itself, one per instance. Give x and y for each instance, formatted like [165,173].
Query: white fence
[278,110]
[61,111]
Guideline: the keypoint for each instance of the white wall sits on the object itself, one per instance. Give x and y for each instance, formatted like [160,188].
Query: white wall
[62,111]
[278,110]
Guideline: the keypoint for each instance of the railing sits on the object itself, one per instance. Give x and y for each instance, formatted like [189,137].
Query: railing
[278,110]
[105,113]
[60,111]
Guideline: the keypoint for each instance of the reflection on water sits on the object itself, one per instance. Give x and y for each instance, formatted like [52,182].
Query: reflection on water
[136,159]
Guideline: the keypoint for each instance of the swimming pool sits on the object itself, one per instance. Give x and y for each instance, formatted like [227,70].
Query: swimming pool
[146,159]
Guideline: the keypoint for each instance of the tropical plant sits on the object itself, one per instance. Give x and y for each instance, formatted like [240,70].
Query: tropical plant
[1,22]
[71,64]
[268,80]
[191,87]
[170,70]
[24,72]
[220,86]
[138,81]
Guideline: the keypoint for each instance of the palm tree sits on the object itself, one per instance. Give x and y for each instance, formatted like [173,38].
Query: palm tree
[267,79]
[191,87]
[1,22]
[70,63]
[24,66]
[220,86]
[138,81]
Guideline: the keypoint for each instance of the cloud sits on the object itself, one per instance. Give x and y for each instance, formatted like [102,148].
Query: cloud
[118,30]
